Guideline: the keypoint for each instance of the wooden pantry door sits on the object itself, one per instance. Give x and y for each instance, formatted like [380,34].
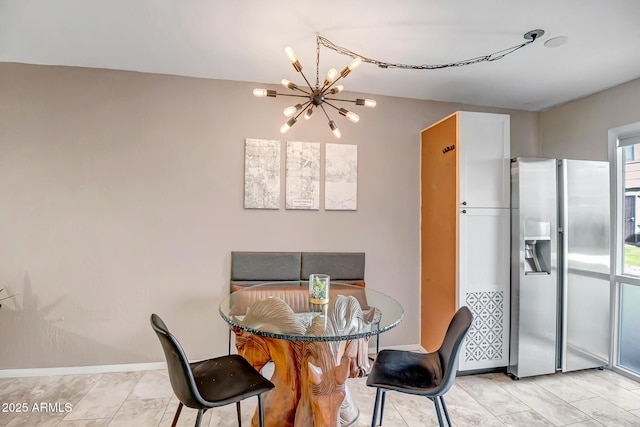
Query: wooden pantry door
[439,225]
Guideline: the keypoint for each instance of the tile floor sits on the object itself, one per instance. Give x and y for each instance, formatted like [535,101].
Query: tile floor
[139,399]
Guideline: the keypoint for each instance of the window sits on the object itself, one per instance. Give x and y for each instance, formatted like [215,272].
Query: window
[631,221]
[629,331]
[624,151]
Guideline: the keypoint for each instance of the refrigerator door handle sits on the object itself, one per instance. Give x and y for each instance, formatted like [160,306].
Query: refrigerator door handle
[563,242]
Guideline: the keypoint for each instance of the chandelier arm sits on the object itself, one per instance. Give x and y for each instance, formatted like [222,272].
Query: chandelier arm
[491,57]
[306,80]
[324,89]
[331,105]
[325,111]
[301,90]
[293,95]
[339,99]
[302,110]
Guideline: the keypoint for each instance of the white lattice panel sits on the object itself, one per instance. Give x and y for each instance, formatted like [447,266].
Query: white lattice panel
[486,344]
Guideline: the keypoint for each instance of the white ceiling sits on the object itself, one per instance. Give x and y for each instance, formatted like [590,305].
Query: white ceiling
[245,40]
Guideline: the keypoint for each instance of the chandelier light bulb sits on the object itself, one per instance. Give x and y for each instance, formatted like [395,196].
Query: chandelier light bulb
[354,64]
[293,58]
[352,117]
[291,110]
[332,74]
[369,103]
[285,127]
[336,89]
[260,93]
[308,113]
[334,129]
[290,54]
[288,84]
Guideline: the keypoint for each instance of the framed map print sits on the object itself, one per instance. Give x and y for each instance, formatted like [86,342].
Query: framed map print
[261,174]
[302,175]
[341,177]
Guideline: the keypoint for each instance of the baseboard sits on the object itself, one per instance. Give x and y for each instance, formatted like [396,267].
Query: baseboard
[500,370]
[75,370]
[102,369]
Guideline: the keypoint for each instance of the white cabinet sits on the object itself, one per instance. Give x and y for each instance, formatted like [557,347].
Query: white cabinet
[483,285]
[484,142]
[465,227]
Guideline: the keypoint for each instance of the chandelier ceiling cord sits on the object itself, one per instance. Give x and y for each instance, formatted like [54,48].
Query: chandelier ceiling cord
[529,36]
[318,96]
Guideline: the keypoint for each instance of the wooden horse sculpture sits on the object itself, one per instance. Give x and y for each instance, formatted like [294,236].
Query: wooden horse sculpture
[323,378]
[276,316]
[348,318]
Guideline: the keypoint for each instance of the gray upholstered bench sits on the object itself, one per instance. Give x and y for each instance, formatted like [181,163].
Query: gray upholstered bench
[251,268]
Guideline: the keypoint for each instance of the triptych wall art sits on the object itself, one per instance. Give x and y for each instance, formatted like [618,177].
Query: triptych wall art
[302,175]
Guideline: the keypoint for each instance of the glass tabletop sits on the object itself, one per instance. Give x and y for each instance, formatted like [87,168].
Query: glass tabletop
[282,310]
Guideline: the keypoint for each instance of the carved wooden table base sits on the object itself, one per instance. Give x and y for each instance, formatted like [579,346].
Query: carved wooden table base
[309,376]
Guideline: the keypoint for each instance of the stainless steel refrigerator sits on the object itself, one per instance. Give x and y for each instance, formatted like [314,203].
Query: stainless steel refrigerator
[560,283]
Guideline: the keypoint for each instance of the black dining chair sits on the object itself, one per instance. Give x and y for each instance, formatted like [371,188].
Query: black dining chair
[209,383]
[424,374]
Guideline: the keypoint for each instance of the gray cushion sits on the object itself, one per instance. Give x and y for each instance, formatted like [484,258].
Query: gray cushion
[265,266]
[338,265]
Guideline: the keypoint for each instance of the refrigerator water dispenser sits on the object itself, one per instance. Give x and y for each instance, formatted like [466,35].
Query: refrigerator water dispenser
[537,247]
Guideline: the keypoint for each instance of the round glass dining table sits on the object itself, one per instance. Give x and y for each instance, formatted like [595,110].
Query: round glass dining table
[314,347]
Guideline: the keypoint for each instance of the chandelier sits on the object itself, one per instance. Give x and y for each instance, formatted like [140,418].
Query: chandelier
[318,96]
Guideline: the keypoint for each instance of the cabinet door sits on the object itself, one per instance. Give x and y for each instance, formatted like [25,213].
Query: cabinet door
[484,144]
[439,227]
[484,287]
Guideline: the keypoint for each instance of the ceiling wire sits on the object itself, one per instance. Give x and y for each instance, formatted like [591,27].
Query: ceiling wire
[530,36]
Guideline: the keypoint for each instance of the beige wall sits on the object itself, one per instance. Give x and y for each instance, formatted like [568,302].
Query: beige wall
[579,129]
[121,195]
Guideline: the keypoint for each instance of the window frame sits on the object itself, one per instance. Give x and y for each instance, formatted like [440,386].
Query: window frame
[618,138]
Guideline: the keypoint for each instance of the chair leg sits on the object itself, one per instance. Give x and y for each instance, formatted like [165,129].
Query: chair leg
[446,413]
[436,404]
[175,418]
[374,417]
[239,412]
[384,396]
[260,411]
[199,418]
[230,340]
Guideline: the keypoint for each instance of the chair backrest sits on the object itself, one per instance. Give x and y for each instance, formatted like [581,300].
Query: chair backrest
[180,374]
[450,348]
